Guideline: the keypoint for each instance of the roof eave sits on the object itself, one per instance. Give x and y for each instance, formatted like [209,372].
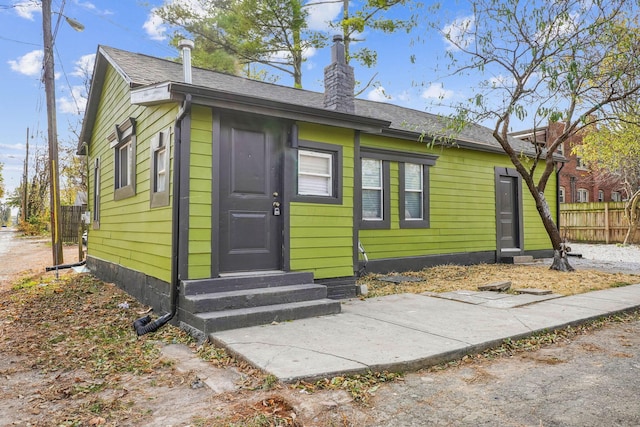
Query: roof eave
[175,91]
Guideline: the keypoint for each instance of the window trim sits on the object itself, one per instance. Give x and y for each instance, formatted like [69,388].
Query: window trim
[414,223]
[387,156]
[124,135]
[585,192]
[95,215]
[580,164]
[561,194]
[335,151]
[160,141]
[600,195]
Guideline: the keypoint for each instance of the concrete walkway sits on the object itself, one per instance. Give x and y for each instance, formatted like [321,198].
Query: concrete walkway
[407,331]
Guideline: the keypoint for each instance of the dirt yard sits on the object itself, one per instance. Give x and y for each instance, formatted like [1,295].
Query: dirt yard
[69,357]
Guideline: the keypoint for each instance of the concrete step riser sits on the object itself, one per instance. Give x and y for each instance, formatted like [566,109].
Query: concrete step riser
[233,321]
[221,302]
[227,284]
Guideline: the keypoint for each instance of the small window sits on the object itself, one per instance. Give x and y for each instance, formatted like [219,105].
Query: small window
[372,190]
[375,199]
[123,142]
[580,164]
[413,192]
[96,194]
[583,195]
[615,196]
[315,173]
[600,195]
[560,149]
[414,200]
[561,195]
[160,152]
[318,173]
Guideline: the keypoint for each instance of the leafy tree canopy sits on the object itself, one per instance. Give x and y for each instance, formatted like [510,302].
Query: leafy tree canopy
[230,35]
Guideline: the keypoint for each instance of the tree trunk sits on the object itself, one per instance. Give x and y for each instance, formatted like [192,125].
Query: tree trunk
[630,211]
[560,260]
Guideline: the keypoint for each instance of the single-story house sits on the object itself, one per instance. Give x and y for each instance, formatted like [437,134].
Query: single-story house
[229,201]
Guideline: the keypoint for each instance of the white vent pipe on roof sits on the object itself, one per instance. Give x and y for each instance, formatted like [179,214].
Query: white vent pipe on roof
[186,46]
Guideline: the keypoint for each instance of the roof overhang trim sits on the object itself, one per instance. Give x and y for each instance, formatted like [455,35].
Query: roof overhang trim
[174,91]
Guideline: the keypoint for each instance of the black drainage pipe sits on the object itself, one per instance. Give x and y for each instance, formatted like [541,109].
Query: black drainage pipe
[64,266]
[144,325]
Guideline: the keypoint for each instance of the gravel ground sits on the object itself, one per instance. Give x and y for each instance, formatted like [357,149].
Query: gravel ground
[611,258]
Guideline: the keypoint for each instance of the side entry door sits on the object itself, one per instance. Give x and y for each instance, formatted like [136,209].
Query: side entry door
[250,230]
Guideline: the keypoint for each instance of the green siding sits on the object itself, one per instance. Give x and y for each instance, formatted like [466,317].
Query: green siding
[462,206]
[200,192]
[321,235]
[131,233]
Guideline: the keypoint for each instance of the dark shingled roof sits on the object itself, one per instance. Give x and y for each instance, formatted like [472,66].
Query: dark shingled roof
[141,70]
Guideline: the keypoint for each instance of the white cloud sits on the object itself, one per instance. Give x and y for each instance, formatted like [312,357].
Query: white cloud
[378,94]
[459,33]
[155,26]
[12,146]
[29,64]
[26,9]
[321,15]
[561,26]
[92,7]
[84,66]
[501,81]
[404,96]
[75,103]
[436,91]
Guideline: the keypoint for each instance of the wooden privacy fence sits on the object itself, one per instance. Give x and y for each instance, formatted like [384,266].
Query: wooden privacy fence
[601,222]
[70,224]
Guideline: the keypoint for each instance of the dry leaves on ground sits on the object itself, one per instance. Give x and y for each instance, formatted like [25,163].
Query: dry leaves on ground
[448,278]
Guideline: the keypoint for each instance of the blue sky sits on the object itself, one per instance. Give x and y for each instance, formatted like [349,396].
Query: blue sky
[131,25]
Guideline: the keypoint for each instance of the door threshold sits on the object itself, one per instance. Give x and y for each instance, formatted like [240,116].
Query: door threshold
[251,273]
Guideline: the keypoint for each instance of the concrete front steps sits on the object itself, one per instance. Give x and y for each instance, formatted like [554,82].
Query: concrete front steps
[517,259]
[212,305]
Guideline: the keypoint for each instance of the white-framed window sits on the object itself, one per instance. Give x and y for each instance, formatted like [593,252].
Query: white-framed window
[580,164]
[560,149]
[315,173]
[123,142]
[561,195]
[160,153]
[583,195]
[413,192]
[601,195]
[616,196]
[413,195]
[372,190]
[96,194]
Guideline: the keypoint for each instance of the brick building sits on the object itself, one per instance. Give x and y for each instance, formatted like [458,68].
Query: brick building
[578,183]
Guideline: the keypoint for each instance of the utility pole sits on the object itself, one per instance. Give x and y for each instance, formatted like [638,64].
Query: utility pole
[50,92]
[25,183]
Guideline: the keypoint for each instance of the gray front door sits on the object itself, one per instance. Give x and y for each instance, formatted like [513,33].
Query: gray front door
[508,213]
[250,183]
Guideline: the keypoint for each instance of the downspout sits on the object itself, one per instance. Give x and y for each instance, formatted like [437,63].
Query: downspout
[144,325]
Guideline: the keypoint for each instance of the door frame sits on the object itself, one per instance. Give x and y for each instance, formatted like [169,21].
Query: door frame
[217,117]
[518,216]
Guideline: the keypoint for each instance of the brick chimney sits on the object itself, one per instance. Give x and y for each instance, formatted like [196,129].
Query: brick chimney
[339,81]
